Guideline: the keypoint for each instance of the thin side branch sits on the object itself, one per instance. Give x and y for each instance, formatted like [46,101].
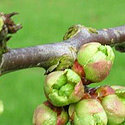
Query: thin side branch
[37,56]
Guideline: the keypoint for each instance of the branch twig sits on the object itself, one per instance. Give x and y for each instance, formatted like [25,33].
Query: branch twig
[37,56]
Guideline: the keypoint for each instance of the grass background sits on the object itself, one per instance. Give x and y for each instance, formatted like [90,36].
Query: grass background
[46,21]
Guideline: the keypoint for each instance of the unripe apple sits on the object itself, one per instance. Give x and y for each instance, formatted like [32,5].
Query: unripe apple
[96,60]
[63,87]
[47,114]
[87,112]
[114,108]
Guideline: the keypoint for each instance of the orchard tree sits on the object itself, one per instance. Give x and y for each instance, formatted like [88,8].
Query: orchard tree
[83,57]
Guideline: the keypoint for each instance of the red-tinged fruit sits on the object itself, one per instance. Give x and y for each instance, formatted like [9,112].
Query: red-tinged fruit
[78,69]
[114,108]
[47,114]
[96,60]
[87,112]
[63,87]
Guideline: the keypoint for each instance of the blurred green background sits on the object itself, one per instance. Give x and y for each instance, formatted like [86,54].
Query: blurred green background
[46,21]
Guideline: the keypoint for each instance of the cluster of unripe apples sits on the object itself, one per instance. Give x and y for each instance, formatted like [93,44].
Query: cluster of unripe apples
[72,102]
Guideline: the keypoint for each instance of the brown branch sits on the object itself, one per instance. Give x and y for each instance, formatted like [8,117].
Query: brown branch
[37,56]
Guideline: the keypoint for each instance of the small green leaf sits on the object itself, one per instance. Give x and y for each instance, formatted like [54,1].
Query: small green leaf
[92,30]
[59,63]
[52,68]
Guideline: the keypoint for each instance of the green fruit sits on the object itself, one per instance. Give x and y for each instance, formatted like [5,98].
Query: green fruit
[96,60]
[47,114]
[63,87]
[87,112]
[115,109]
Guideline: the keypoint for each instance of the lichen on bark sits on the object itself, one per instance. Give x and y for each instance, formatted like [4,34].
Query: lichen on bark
[72,31]
[59,63]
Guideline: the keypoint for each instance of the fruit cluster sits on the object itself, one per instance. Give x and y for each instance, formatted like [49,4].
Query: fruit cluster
[72,102]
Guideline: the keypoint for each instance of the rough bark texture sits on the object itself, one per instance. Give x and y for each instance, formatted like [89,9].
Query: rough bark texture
[37,56]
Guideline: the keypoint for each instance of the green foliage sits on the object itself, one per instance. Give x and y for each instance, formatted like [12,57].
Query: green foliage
[96,60]
[1,23]
[46,21]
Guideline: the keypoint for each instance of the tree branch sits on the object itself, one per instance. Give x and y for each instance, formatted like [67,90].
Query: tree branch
[78,35]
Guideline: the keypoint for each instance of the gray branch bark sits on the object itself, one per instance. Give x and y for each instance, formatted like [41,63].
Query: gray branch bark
[37,56]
